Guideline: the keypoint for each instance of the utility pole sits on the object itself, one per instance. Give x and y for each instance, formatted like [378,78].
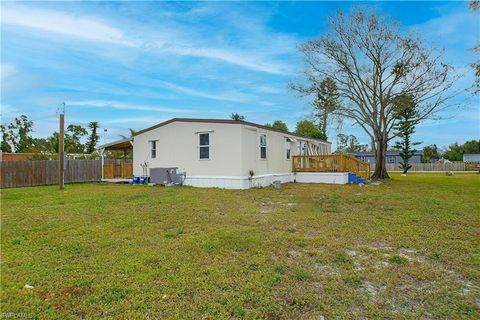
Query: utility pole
[61,164]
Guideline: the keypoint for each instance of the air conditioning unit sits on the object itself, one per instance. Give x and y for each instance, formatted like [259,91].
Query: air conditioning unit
[165,176]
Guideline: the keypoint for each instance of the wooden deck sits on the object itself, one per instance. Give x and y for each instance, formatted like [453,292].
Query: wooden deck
[330,163]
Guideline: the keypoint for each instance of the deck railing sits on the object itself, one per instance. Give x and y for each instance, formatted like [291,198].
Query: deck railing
[330,163]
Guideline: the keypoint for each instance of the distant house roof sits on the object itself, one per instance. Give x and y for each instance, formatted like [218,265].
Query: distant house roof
[225,121]
[388,153]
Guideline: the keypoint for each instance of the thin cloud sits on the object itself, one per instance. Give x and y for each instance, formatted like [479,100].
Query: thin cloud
[92,29]
[7,70]
[227,56]
[8,111]
[126,106]
[230,96]
[66,24]
[448,26]
[129,120]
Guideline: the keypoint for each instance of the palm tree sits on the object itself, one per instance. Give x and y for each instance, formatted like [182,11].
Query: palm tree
[93,138]
[132,133]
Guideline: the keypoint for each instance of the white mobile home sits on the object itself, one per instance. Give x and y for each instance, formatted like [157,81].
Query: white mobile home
[221,153]
[230,154]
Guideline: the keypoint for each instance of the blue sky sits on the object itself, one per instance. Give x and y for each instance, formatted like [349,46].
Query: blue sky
[134,64]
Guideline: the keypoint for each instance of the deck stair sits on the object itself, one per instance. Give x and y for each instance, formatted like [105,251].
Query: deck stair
[355,179]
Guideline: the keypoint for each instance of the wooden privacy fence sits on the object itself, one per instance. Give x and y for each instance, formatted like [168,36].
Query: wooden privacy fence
[43,172]
[118,169]
[330,163]
[452,166]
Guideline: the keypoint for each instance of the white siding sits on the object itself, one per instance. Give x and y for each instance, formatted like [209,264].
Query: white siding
[178,146]
[471,158]
[234,151]
[276,161]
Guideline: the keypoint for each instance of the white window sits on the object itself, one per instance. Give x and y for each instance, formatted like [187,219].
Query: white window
[204,146]
[288,151]
[263,146]
[153,149]
[363,158]
[391,159]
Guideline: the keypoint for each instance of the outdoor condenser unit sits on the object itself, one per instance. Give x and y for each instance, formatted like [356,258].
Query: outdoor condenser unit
[165,176]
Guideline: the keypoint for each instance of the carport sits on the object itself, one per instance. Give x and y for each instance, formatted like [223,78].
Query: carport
[117,168]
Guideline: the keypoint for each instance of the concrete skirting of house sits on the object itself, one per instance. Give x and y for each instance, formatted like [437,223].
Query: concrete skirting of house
[245,182]
[236,182]
[322,177]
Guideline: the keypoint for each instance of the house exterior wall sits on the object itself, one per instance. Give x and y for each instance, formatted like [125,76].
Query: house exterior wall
[396,158]
[178,146]
[471,158]
[234,151]
[276,161]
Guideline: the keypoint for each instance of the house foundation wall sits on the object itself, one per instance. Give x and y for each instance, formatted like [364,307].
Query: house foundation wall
[243,182]
[322,177]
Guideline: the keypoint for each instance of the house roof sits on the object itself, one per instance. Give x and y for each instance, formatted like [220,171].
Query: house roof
[224,121]
[388,153]
[121,144]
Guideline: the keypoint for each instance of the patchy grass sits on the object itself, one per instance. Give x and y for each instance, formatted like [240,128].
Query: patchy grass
[408,248]
[398,260]
[301,275]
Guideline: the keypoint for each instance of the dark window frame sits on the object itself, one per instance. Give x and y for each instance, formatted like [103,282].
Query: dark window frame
[288,149]
[263,146]
[153,149]
[203,146]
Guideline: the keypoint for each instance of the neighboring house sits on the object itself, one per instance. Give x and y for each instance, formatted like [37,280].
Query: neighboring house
[221,153]
[391,157]
[471,157]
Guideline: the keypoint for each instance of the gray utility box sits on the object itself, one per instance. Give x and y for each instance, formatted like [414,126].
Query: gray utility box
[164,176]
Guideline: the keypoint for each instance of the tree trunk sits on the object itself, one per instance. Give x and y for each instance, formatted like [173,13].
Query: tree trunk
[324,123]
[380,155]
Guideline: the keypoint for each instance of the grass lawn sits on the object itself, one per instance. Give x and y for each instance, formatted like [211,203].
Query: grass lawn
[408,248]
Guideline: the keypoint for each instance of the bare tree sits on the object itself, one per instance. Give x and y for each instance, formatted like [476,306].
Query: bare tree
[371,63]
[475,7]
